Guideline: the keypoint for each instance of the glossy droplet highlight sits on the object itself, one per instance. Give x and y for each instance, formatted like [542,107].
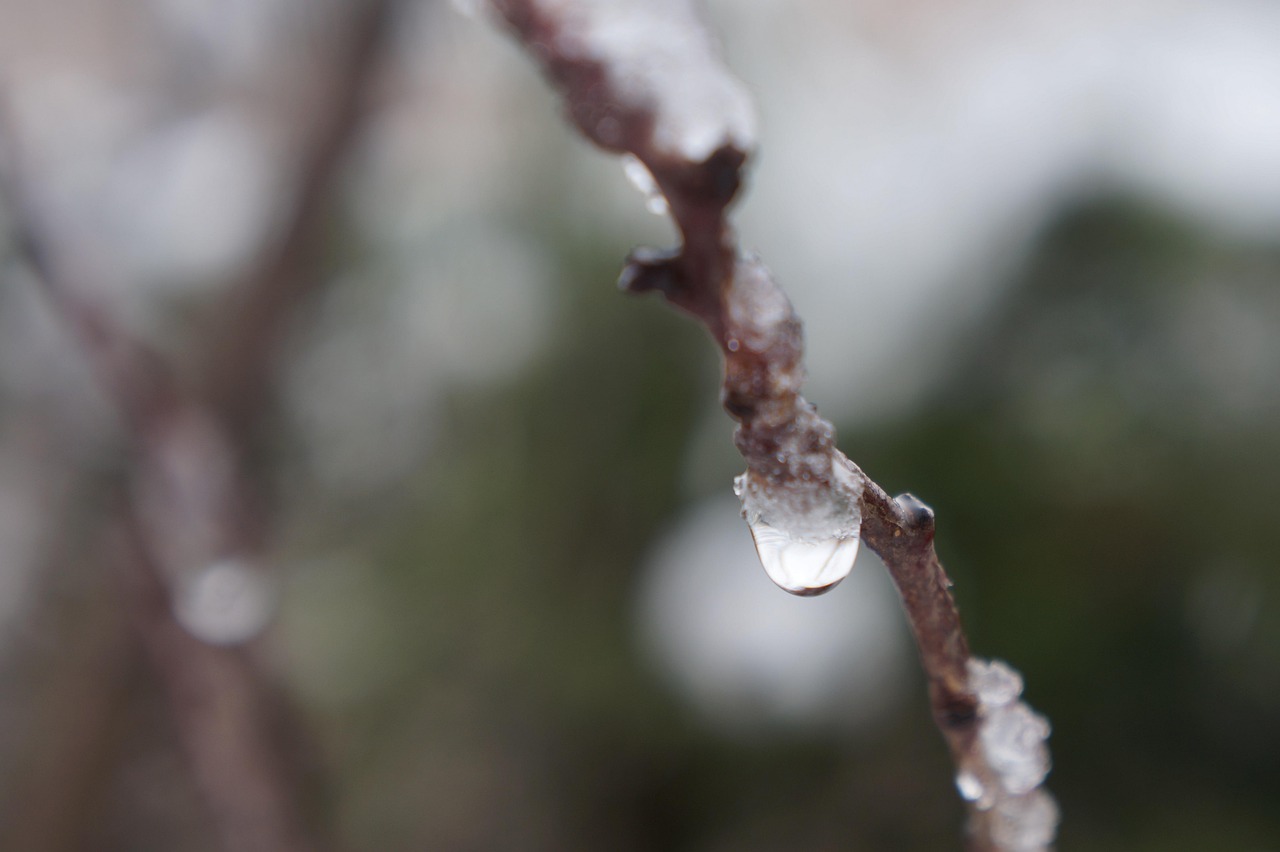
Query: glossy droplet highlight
[970,787]
[805,526]
[642,179]
[803,567]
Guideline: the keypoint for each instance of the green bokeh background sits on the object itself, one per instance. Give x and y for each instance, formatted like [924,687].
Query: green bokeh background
[1105,504]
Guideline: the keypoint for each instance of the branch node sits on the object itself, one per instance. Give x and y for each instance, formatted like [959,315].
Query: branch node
[916,514]
[650,269]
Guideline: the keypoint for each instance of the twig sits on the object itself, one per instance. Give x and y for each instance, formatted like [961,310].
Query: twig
[620,97]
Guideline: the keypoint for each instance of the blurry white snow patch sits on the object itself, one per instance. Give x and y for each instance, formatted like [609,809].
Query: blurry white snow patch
[1196,121]
[910,157]
[751,658]
[237,38]
[197,199]
[659,54]
[227,602]
[467,307]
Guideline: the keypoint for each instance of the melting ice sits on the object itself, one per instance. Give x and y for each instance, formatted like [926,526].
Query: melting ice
[642,179]
[806,533]
[803,567]
[1025,823]
[1012,740]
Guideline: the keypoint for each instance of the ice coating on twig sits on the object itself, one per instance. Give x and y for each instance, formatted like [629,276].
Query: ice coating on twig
[657,55]
[805,529]
[642,78]
[642,179]
[1025,823]
[1004,778]
[994,682]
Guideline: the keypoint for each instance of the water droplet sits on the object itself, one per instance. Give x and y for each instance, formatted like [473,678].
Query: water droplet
[805,531]
[803,567]
[642,179]
[969,786]
[226,603]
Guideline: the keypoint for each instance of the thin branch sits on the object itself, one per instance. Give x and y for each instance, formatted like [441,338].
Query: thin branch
[234,727]
[191,502]
[217,696]
[626,104]
[239,369]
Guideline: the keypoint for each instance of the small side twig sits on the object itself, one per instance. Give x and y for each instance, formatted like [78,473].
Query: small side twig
[689,128]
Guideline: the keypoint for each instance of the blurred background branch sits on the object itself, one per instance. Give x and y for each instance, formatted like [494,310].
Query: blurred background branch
[192,549]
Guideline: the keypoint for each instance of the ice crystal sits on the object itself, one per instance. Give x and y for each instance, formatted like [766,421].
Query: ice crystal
[1013,738]
[658,55]
[805,530]
[1013,756]
[1025,823]
[994,682]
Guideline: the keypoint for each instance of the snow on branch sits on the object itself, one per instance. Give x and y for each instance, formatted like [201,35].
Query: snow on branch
[642,78]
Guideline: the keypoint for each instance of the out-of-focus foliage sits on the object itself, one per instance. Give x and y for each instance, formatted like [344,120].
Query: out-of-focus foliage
[1104,459]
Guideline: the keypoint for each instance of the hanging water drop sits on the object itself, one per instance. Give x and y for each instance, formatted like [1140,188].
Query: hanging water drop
[805,528]
[803,567]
